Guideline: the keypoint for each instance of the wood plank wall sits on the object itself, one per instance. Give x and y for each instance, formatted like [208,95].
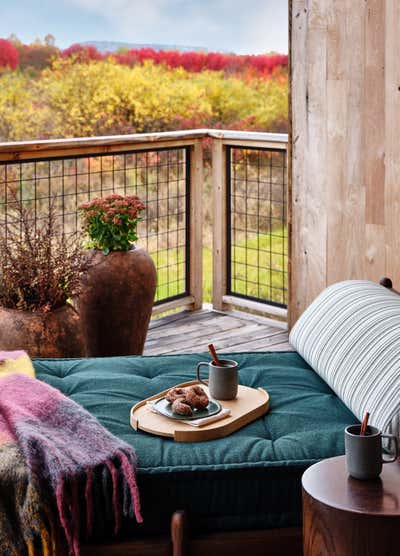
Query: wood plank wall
[345,173]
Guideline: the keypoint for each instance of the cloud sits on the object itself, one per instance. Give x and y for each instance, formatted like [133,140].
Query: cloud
[268,29]
[144,21]
[251,26]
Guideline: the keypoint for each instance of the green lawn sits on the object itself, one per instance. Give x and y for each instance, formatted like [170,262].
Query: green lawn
[257,269]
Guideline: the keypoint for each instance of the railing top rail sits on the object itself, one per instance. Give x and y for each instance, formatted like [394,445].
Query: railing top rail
[28,149]
[231,135]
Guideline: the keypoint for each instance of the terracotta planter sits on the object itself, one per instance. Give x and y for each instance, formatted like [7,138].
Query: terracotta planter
[116,302]
[54,334]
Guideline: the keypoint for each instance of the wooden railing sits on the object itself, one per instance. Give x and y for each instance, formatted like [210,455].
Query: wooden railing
[167,170]
[251,291]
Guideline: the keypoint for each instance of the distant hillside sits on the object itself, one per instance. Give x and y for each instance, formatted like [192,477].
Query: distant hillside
[112,46]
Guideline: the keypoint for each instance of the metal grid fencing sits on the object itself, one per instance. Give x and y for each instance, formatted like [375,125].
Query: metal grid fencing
[257,236]
[160,177]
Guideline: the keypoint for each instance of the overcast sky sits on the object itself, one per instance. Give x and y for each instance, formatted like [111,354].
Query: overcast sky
[242,26]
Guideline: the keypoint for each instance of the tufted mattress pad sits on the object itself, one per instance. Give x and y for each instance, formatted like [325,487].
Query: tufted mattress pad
[248,480]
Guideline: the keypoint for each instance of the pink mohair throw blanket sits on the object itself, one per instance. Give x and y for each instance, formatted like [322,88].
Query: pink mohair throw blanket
[61,473]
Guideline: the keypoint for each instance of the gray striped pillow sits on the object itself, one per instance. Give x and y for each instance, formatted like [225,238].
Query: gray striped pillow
[350,335]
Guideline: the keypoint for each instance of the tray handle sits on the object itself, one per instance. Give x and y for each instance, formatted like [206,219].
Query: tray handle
[134,420]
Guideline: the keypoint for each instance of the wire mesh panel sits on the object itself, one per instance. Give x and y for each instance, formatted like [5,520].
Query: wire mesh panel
[257,253]
[160,177]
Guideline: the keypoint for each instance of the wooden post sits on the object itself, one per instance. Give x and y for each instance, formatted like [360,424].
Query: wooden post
[179,533]
[196,228]
[289,198]
[219,224]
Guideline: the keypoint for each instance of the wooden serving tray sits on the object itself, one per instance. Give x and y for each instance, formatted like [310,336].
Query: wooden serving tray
[250,404]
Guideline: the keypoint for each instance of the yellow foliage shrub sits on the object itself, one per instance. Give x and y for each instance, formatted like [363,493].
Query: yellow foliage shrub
[72,99]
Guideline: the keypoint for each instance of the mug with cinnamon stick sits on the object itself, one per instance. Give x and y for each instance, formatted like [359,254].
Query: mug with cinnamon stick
[222,378]
[363,446]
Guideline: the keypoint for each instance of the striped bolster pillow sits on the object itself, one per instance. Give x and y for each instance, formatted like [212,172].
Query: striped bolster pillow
[350,335]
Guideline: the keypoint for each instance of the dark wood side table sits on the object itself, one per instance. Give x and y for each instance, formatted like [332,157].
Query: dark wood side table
[343,516]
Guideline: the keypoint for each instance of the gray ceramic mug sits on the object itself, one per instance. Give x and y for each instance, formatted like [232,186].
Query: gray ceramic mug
[223,379]
[364,453]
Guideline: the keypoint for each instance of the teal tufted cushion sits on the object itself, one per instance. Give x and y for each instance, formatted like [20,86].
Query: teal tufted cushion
[248,479]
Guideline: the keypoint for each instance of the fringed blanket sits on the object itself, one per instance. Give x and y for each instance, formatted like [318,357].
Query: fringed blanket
[62,475]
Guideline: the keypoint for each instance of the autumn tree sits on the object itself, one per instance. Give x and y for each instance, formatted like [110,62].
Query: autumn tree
[14,39]
[8,55]
[36,56]
[49,40]
[82,53]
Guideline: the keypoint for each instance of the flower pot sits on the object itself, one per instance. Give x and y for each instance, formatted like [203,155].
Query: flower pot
[116,301]
[53,334]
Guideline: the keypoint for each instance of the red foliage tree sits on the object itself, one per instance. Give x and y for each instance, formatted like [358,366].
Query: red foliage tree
[262,64]
[83,53]
[36,56]
[8,54]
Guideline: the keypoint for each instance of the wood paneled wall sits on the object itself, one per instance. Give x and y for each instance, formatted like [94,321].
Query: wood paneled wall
[345,171]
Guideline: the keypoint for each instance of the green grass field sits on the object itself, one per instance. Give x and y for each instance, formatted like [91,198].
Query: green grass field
[259,269]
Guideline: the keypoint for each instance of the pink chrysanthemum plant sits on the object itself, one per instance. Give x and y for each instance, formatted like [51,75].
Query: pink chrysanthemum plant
[111,222]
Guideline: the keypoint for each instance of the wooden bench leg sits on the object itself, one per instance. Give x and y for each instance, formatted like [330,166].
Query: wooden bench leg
[179,536]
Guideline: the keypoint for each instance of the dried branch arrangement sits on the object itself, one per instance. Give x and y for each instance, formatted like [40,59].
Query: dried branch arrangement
[40,266]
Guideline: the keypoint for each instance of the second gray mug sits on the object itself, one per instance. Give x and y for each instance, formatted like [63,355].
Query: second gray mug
[364,453]
[223,379]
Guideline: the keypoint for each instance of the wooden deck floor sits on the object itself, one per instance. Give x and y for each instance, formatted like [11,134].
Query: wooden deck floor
[231,331]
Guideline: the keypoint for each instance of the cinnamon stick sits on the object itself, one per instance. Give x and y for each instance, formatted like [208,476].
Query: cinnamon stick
[214,355]
[364,424]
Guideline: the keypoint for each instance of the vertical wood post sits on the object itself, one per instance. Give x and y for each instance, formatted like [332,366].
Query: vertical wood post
[289,198]
[196,228]
[219,224]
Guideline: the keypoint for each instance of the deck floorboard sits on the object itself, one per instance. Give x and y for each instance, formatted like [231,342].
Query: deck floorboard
[231,331]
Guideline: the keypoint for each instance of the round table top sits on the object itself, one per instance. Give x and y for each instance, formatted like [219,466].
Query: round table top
[328,482]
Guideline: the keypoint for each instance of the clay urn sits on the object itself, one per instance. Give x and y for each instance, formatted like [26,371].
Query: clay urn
[116,302]
[54,333]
